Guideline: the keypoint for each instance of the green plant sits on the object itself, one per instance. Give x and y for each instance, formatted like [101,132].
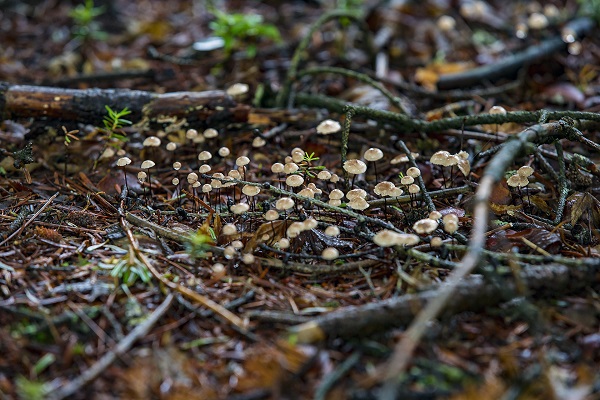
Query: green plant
[129,272]
[306,166]
[31,389]
[114,122]
[86,27]
[238,30]
[199,243]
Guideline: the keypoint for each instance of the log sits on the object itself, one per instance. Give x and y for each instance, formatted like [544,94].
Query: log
[213,108]
[474,294]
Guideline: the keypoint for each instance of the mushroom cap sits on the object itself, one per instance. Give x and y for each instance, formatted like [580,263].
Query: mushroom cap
[210,133]
[283,243]
[204,155]
[258,142]
[307,192]
[396,192]
[373,154]
[334,178]
[284,203]
[463,154]
[294,180]
[151,141]
[498,110]
[310,223]
[332,230]
[229,229]
[148,164]
[355,166]
[525,171]
[248,258]
[435,215]
[336,194]
[224,151]
[328,126]
[204,168]
[446,23]
[436,241]
[142,176]
[237,89]
[425,226]
[330,253]
[192,178]
[242,161]
[354,193]
[290,168]
[297,155]
[206,188]
[235,174]
[388,238]
[358,203]
[324,175]
[239,208]
[191,134]
[413,172]
[250,190]
[414,189]
[271,215]
[537,21]
[123,161]
[334,202]
[407,180]
[517,181]
[451,226]
[295,229]
[277,168]
[450,217]
[464,166]
[439,157]
[176,165]
[171,146]
[384,188]
[175,181]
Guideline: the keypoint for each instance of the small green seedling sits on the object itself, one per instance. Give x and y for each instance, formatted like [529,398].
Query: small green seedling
[242,31]
[86,27]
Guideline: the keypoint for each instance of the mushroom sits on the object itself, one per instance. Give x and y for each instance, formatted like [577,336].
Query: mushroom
[250,190]
[284,203]
[354,193]
[294,180]
[425,226]
[328,127]
[122,162]
[204,156]
[239,208]
[355,166]
[324,175]
[358,203]
[332,230]
[330,253]
[525,171]
[224,151]
[413,172]
[229,229]
[237,90]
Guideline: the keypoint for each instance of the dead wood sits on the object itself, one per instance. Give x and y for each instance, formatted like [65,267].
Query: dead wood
[202,109]
[473,294]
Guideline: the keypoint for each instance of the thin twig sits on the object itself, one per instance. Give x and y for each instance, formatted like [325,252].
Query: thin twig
[26,224]
[123,346]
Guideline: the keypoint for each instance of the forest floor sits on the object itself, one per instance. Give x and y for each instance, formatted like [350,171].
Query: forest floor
[442,242]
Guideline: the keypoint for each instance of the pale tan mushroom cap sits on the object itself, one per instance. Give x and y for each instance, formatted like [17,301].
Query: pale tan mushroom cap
[330,253]
[123,161]
[373,154]
[358,203]
[328,126]
[148,164]
[355,166]
[425,226]
[284,203]
[336,194]
[151,141]
[384,188]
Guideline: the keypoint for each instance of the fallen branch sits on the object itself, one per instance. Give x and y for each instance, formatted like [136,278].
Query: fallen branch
[470,294]
[123,346]
[510,65]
